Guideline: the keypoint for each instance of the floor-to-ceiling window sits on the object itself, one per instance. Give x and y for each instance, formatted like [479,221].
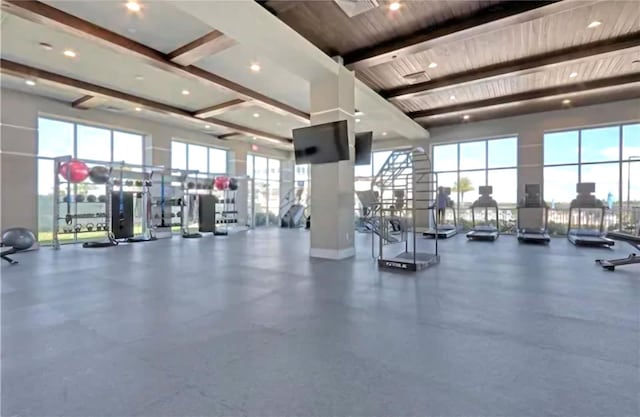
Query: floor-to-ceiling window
[465,166]
[266,200]
[83,141]
[608,156]
[302,184]
[188,156]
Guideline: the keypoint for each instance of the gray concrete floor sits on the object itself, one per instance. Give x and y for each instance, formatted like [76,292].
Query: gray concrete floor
[249,325]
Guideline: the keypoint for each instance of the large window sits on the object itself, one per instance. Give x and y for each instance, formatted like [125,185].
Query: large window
[465,166]
[608,156]
[266,201]
[198,158]
[61,138]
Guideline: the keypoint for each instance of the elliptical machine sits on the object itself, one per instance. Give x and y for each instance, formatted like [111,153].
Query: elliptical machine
[532,203]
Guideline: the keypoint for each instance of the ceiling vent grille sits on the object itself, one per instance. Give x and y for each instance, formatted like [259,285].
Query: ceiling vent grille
[355,7]
[415,77]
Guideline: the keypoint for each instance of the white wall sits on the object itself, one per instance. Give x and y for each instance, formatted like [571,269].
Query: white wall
[530,131]
[18,148]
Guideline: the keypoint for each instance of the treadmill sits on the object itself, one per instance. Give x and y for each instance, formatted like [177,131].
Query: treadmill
[530,230]
[633,258]
[446,230]
[487,231]
[585,236]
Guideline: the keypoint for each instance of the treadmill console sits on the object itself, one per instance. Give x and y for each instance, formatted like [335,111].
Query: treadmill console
[485,190]
[586,187]
[532,195]
[585,198]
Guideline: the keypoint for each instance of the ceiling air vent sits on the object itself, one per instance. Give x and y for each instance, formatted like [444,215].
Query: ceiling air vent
[355,7]
[416,77]
[113,109]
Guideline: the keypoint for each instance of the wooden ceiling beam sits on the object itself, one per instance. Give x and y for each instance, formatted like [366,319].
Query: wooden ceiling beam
[96,91]
[529,95]
[220,108]
[209,44]
[51,17]
[606,96]
[458,28]
[518,67]
[87,102]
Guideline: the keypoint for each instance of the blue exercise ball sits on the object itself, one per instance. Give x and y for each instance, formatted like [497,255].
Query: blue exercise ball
[19,238]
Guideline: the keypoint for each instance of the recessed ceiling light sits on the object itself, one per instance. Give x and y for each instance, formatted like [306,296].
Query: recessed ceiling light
[30,83]
[133,6]
[185,92]
[359,113]
[466,117]
[594,24]
[357,120]
[566,101]
[452,98]
[394,6]
[384,133]
[254,138]
[46,46]
[255,67]
[69,53]
[573,75]
[433,65]
[138,109]
[207,126]
[139,77]
[256,115]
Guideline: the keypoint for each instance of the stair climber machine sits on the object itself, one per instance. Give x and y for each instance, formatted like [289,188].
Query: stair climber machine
[406,189]
[485,231]
[533,216]
[586,218]
[443,203]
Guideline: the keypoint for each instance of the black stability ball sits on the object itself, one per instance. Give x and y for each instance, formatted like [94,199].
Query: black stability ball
[99,175]
[19,238]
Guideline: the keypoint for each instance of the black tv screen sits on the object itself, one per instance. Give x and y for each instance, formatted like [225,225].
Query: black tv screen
[321,144]
[363,148]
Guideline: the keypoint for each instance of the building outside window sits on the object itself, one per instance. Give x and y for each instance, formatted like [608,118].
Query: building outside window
[266,201]
[609,156]
[188,156]
[466,166]
[83,141]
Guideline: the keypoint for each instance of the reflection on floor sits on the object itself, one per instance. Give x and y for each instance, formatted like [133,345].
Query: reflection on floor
[249,325]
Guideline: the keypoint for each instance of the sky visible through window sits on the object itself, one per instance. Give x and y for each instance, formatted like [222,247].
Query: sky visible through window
[599,152]
[60,138]
[478,163]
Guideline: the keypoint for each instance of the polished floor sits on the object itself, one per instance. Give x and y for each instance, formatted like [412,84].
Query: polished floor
[249,325]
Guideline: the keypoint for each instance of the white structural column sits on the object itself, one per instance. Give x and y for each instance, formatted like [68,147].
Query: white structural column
[332,187]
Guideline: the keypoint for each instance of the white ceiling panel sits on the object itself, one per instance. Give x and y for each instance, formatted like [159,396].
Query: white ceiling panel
[18,83]
[102,66]
[279,124]
[158,25]
[272,80]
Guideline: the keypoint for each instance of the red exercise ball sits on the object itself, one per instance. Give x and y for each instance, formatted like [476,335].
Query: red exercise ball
[221,183]
[74,171]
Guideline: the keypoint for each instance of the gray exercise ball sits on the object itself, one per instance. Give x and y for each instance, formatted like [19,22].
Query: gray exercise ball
[19,238]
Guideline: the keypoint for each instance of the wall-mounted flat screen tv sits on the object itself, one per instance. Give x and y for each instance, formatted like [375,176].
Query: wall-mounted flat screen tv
[364,141]
[321,144]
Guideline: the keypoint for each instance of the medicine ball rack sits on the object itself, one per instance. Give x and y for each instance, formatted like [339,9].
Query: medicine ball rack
[125,180]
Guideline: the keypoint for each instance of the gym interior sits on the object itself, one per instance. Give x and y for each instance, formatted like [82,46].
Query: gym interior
[320,208]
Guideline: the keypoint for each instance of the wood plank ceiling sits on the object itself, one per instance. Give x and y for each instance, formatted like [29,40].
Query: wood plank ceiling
[438,59]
